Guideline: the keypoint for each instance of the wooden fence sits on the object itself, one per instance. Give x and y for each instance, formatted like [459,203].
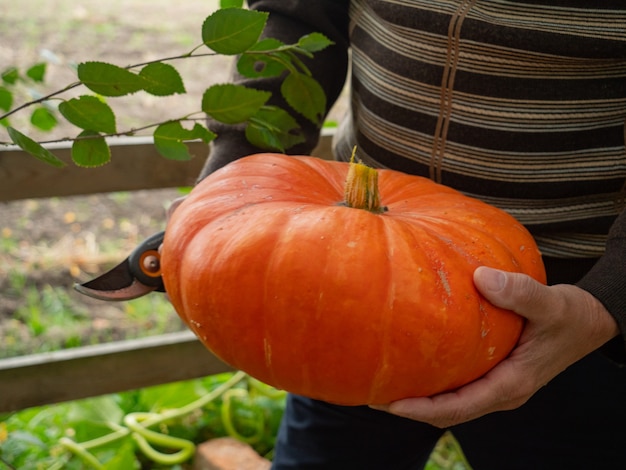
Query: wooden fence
[70,374]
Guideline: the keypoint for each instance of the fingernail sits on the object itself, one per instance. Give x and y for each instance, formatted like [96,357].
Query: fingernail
[493,279]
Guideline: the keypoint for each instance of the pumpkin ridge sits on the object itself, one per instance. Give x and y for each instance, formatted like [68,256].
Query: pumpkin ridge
[484,353]
[279,254]
[423,268]
[248,177]
[332,174]
[231,259]
[272,261]
[380,376]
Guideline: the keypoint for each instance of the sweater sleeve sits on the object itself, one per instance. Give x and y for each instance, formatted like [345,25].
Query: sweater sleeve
[607,279]
[288,21]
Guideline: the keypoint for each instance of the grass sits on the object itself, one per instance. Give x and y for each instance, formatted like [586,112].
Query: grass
[48,319]
[46,246]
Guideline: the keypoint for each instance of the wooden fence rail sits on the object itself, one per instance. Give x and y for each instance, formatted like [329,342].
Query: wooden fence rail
[82,372]
[70,374]
[134,165]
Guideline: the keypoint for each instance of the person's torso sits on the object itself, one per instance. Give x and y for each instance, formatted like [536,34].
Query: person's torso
[521,104]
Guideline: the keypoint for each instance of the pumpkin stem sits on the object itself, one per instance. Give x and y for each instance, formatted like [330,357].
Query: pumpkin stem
[361,189]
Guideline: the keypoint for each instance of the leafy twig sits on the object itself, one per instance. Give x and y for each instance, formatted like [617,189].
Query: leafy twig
[128,132]
[40,100]
[231,31]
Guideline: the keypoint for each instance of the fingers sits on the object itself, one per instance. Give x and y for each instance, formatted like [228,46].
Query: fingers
[564,324]
[173,206]
[512,291]
[497,391]
[510,383]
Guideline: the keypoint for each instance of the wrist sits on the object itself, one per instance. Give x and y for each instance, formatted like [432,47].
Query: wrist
[605,326]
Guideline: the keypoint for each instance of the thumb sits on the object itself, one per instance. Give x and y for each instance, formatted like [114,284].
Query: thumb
[173,206]
[512,291]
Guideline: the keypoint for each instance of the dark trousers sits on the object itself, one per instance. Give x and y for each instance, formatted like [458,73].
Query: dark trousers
[578,421]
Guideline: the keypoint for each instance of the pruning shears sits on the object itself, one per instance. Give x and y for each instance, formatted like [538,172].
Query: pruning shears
[137,275]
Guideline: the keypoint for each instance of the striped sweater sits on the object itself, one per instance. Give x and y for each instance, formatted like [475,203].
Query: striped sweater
[520,104]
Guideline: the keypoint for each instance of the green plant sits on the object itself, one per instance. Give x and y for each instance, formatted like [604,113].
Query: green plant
[47,318]
[447,455]
[229,31]
[157,427]
[98,432]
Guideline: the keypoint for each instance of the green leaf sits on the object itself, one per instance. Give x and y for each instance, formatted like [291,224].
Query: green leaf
[231,3]
[102,409]
[202,133]
[305,95]
[233,30]
[91,418]
[43,119]
[37,72]
[90,150]
[172,395]
[273,128]
[232,104]
[108,79]
[169,139]
[255,63]
[264,138]
[161,79]
[6,99]
[90,113]
[10,75]
[33,148]
[124,458]
[314,42]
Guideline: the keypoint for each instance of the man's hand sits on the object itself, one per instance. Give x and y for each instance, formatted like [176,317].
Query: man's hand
[168,215]
[564,324]
[173,206]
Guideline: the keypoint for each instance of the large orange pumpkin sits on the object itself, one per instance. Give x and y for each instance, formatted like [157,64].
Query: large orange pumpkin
[278,276]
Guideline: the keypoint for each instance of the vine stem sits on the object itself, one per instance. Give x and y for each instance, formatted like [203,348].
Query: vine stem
[136,425]
[81,452]
[119,433]
[228,423]
[145,438]
[199,403]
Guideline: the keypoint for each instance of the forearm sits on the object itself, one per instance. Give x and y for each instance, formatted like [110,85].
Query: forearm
[606,281]
[288,21]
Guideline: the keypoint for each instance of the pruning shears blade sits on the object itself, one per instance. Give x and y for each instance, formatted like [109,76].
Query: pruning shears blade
[116,284]
[137,275]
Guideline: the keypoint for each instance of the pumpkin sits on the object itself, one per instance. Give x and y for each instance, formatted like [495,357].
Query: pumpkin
[340,282]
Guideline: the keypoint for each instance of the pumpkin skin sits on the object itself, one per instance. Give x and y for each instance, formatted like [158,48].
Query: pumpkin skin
[280,280]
